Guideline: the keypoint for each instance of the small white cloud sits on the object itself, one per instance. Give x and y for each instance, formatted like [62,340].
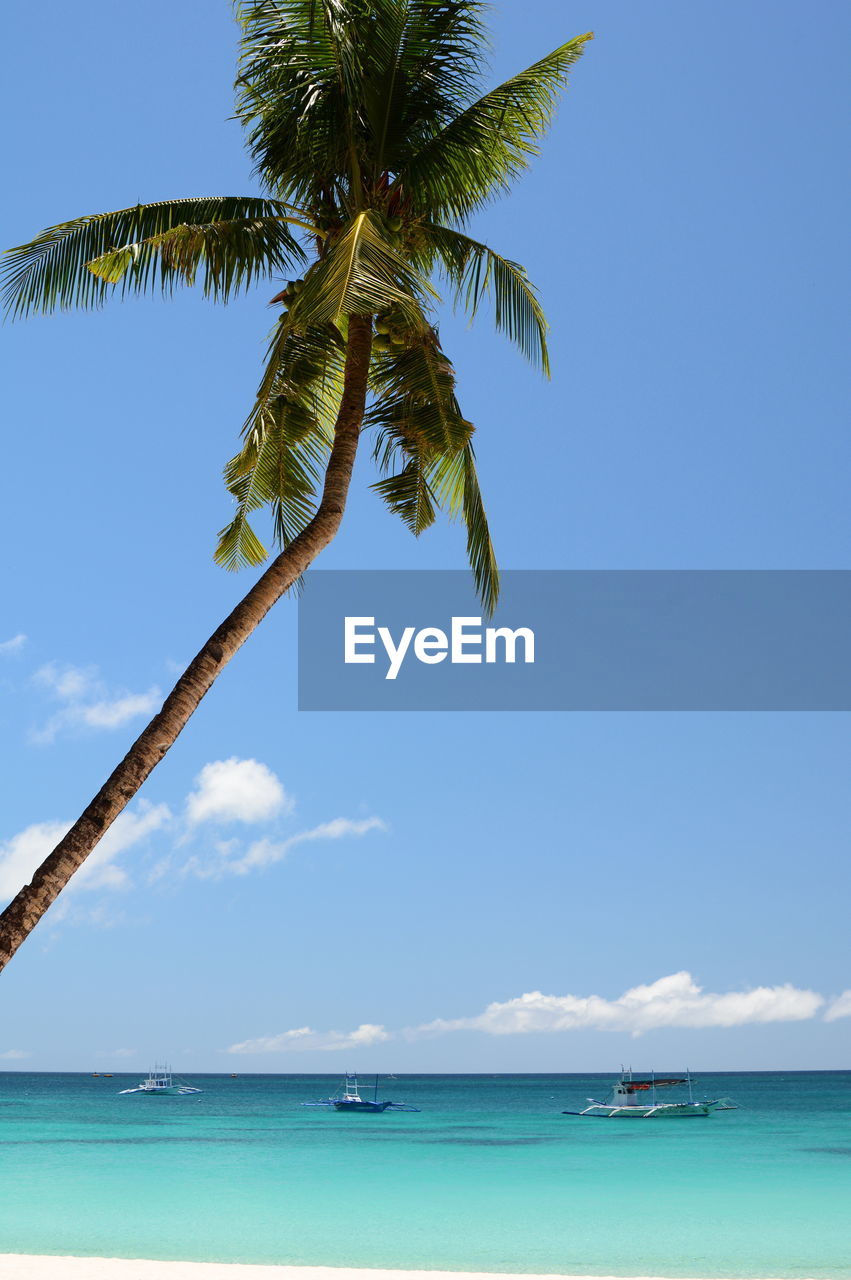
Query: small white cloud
[111,715]
[236,791]
[86,703]
[13,1054]
[227,856]
[66,682]
[110,1054]
[15,645]
[673,1001]
[262,853]
[839,1008]
[304,1038]
[23,853]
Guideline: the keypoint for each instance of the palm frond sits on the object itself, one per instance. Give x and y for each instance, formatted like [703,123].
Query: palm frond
[408,494]
[331,89]
[455,483]
[425,62]
[287,438]
[414,399]
[237,239]
[480,550]
[478,154]
[231,256]
[425,443]
[477,271]
[361,273]
[297,83]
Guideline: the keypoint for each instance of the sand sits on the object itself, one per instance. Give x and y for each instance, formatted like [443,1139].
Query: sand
[21,1266]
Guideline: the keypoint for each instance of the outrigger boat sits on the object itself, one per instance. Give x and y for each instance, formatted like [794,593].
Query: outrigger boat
[160,1081]
[347,1098]
[634,1098]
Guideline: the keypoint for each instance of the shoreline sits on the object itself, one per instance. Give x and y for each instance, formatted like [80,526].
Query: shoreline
[29,1266]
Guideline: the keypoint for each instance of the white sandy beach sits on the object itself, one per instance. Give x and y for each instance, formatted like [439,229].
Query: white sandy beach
[22,1266]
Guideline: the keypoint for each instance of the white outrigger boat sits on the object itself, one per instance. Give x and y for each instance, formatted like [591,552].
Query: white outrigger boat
[160,1081]
[634,1098]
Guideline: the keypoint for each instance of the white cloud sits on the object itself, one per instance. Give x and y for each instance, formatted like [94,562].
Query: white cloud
[20,856]
[227,856]
[110,1054]
[86,703]
[24,852]
[112,714]
[15,645]
[129,828]
[674,1001]
[303,1038]
[15,1053]
[839,1008]
[66,682]
[236,791]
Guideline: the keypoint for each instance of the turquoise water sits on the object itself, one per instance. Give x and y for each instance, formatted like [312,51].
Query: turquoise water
[490,1176]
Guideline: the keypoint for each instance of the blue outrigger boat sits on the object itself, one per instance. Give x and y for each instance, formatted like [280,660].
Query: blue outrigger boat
[348,1099]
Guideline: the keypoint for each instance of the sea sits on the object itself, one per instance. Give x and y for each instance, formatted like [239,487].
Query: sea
[488,1176]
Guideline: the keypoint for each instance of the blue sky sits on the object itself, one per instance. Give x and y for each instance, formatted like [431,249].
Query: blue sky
[404,874]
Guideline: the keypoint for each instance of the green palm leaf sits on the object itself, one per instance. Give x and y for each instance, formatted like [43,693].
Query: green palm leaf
[298,88]
[238,239]
[424,441]
[408,494]
[336,92]
[455,483]
[414,399]
[287,438]
[477,272]
[360,274]
[425,61]
[478,154]
[480,550]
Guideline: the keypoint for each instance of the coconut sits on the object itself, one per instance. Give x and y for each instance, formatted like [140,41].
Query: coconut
[381,342]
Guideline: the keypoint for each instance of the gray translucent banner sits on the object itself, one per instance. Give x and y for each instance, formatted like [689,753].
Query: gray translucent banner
[565,640]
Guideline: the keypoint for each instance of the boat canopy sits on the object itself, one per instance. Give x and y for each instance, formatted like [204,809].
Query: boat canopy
[641,1086]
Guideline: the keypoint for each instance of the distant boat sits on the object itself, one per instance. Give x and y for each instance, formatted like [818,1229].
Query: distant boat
[348,1099]
[634,1098]
[161,1082]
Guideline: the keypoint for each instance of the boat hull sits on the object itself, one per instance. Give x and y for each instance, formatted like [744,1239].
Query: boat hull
[345,1104]
[669,1111]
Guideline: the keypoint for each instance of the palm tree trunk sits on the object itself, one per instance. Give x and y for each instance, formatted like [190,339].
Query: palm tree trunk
[24,912]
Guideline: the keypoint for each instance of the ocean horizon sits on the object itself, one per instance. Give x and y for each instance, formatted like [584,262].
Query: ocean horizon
[488,1176]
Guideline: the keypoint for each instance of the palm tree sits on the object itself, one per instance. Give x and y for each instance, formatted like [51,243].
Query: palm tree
[370,136]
